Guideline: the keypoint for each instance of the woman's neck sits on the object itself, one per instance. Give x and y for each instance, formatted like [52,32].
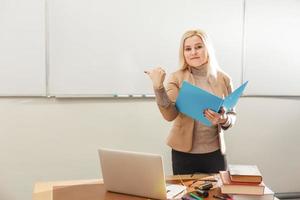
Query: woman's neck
[201,70]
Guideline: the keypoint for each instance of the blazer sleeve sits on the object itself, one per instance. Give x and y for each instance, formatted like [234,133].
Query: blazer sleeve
[169,95]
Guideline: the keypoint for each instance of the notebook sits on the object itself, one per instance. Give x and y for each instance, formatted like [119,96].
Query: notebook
[135,173]
[192,101]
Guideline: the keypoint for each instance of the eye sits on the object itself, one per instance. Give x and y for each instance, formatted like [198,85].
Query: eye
[199,47]
[188,49]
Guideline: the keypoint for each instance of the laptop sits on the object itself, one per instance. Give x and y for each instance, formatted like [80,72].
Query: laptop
[135,173]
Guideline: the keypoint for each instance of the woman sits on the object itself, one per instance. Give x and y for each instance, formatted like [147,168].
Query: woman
[196,148]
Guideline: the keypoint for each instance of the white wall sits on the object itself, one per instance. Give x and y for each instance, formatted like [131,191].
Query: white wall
[50,139]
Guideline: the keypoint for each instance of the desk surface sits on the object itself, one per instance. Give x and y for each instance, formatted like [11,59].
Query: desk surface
[94,189]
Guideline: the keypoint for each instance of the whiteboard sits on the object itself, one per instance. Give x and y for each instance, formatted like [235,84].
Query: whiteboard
[22,48]
[272,63]
[99,47]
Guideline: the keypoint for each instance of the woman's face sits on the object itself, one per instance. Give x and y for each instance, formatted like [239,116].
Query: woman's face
[194,51]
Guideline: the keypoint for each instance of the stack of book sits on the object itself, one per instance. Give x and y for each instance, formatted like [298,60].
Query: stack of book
[244,182]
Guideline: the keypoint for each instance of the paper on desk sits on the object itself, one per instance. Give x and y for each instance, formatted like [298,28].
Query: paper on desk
[175,191]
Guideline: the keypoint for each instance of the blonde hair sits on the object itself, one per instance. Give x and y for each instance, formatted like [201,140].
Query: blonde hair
[213,66]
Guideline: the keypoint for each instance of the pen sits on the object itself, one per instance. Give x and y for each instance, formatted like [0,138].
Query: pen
[195,196]
[222,197]
[219,197]
[209,180]
[194,181]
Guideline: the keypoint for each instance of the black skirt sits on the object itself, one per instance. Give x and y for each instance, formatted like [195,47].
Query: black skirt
[190,163]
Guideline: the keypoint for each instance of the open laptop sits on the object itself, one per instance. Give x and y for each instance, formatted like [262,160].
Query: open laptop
[135,173]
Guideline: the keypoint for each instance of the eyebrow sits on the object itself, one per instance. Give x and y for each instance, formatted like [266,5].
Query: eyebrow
[195,44]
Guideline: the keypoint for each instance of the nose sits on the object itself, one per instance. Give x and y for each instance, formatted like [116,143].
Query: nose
[194,51]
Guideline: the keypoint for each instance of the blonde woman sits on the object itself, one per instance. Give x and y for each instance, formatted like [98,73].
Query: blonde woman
[196,148]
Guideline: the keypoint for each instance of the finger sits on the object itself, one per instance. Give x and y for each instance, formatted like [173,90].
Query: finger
[212,113]
[209,118]
[212,116]
[208,112]
[208,115]
[212,120]
[161,69]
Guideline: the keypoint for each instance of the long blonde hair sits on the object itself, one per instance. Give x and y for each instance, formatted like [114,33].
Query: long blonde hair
[213,66]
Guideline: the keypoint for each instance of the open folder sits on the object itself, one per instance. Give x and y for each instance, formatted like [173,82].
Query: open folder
[192,101]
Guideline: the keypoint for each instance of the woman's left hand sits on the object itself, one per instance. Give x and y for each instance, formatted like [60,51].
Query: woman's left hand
[216,118]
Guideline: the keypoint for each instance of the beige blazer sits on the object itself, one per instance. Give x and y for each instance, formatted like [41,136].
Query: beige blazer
[181,134]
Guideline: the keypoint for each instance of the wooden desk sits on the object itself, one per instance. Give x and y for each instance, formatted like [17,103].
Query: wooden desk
[95,190]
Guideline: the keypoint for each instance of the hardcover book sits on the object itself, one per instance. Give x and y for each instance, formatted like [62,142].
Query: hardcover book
[245,173]
[229,187]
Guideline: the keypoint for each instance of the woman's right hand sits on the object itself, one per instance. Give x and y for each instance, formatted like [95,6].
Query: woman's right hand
[157,76]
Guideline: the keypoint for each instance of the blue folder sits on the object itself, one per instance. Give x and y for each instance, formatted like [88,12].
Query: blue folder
[192,101]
